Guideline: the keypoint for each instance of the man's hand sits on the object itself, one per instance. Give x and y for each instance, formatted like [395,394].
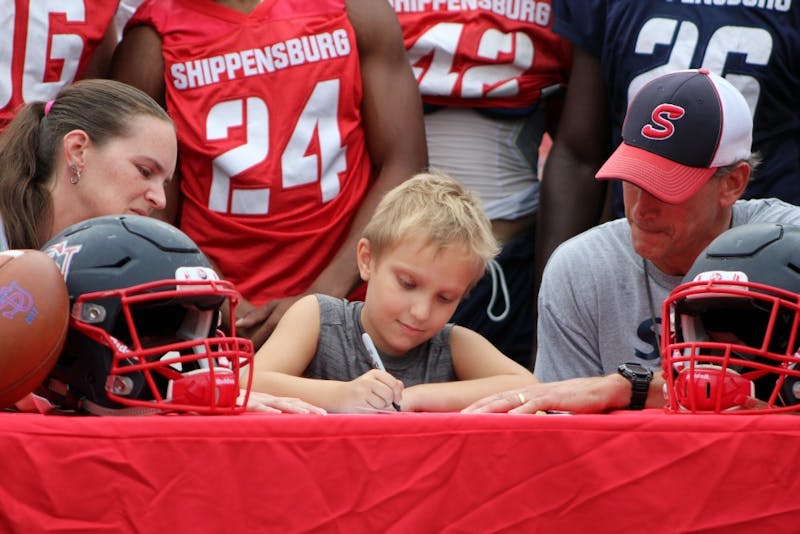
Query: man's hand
[578,395]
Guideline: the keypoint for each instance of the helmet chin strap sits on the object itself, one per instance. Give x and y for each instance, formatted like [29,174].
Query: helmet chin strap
[96,409]
[45,406]
[201,388]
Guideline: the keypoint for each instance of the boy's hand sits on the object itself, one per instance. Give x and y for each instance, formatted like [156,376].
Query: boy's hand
[374,390]
[264,402]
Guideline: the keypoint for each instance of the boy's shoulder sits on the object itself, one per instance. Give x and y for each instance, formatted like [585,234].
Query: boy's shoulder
[336,310]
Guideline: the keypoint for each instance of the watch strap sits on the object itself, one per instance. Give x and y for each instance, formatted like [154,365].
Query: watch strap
[640,379]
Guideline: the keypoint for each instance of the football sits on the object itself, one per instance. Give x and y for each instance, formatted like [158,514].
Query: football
[34,313]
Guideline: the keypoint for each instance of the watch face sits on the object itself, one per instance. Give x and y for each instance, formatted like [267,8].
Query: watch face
[637,368]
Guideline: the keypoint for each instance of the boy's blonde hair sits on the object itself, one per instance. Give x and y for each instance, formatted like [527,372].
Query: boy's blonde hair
[433,205]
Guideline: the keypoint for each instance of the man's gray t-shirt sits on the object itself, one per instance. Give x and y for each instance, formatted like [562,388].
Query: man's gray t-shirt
[594,311]
[341,354]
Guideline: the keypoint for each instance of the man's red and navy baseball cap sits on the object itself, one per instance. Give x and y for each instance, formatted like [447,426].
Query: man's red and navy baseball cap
[679,129]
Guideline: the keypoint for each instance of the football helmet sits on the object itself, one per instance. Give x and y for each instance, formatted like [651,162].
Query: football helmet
[145,306]
[731,343]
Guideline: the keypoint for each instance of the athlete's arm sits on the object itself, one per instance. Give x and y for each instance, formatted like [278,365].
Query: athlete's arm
[100,63]
[279,366]
[393,124]
[571,200]
[395,136]
[480,370]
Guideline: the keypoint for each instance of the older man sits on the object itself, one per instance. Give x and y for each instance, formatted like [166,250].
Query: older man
[685,160]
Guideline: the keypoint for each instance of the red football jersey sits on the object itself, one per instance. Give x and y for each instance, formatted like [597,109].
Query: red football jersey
[45,46]
[272,152]
[483,53]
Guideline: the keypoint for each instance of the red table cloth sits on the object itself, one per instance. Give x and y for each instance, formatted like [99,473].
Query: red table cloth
[400,473]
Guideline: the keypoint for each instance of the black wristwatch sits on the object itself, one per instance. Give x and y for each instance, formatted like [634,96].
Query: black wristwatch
[640,377]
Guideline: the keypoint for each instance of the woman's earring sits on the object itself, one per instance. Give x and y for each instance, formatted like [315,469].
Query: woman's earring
[76,174]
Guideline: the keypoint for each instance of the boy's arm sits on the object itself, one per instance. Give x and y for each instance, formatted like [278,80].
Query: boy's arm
[481,370]
[279,365]
[373,391]
[393,125]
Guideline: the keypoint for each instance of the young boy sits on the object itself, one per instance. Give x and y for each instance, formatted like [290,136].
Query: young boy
[426,245]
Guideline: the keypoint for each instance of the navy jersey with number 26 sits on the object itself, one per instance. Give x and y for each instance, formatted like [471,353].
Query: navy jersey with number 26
[754,44]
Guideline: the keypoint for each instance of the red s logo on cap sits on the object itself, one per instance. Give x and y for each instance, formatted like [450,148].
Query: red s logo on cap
[662,116]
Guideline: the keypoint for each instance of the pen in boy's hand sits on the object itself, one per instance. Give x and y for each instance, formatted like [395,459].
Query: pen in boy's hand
[376,359]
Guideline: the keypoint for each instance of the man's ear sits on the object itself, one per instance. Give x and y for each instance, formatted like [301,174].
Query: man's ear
[363,257]
[75,143]
[734,184]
